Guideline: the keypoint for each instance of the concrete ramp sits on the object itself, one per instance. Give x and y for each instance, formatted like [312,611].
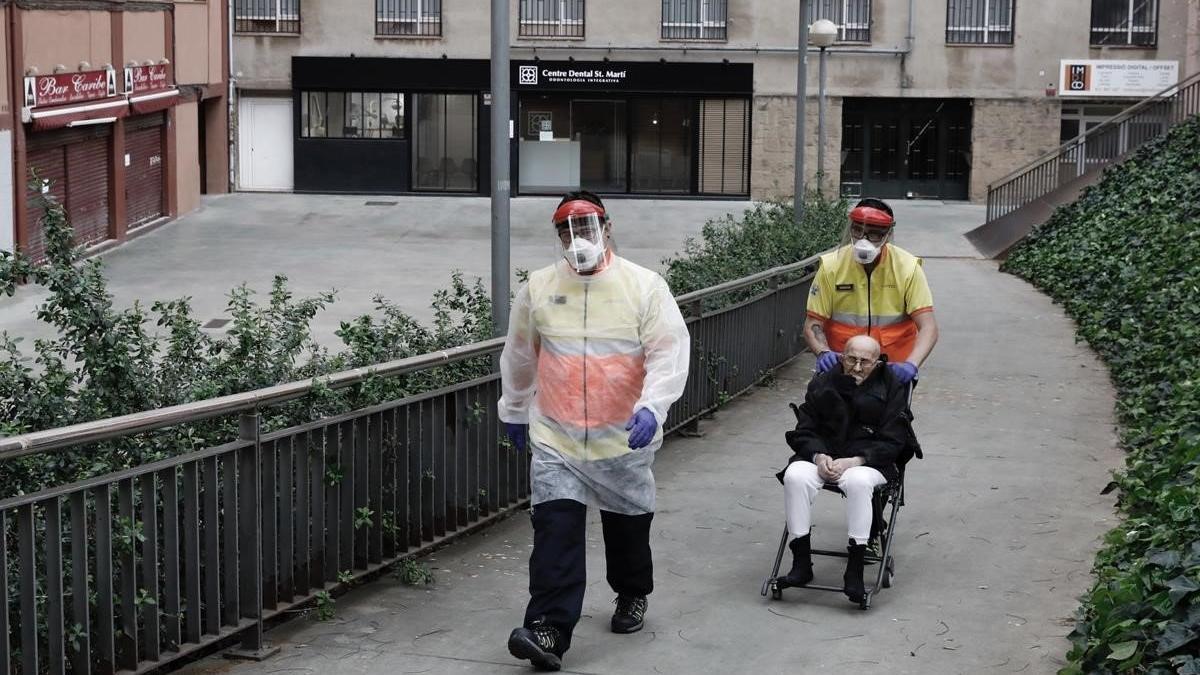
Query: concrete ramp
[993,239]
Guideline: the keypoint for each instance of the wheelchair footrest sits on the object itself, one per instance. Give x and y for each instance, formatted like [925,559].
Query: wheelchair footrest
[868,559]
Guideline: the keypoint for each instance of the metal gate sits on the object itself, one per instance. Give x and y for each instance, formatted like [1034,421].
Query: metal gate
[73,168]
[144,174]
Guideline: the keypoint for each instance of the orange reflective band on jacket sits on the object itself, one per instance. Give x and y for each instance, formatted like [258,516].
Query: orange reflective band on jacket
[590,393]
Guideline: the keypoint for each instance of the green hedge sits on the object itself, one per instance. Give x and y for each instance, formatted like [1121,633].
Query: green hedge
[1124,261]
[765,236]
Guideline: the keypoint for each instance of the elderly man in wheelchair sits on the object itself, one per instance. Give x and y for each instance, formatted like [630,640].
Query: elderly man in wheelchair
[853,435]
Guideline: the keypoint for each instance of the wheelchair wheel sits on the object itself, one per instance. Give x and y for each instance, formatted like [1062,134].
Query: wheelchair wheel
[889,572]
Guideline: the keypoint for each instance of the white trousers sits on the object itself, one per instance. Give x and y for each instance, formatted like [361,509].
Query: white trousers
[801,483]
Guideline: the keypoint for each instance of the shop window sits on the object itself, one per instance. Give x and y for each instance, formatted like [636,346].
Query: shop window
[445,154]
[266,16]
[979,22]
[724,146]
[662,145]
[551,18]
[694,19]
[337,114]
[1125,22]
[408,18]
[853,17]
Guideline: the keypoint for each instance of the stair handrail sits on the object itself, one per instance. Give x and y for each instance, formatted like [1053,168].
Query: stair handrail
[1167,93]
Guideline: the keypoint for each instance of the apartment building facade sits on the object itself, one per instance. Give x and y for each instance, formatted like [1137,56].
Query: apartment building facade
[116,108]
[925,98]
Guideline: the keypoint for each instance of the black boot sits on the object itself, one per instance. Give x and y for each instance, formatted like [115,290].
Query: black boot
[853,579]
[540,643]
[630,615]
[801,572]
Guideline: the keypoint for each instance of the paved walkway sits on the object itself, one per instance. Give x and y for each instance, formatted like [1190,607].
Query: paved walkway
[404,250]
[993,548]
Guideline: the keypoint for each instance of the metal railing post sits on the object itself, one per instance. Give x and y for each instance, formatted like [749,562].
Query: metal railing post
[249,514]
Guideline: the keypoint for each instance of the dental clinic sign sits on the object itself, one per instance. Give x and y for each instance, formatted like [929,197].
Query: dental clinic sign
[44,90]
[1103,77]
[633,77]
[533,75]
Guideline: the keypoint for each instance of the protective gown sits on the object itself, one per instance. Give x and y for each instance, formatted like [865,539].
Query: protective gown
[583,353]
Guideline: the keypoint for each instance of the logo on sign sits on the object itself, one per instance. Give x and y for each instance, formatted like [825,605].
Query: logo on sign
[527,75]
[1078,77]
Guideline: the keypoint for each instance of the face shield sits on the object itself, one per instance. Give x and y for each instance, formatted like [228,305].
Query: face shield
[867,230]
[581,240]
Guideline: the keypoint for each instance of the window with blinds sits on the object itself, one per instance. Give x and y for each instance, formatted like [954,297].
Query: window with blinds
[725,146]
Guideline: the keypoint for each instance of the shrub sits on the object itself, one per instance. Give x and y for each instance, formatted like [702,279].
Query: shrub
[105,362]
[765,236]
[1123,261]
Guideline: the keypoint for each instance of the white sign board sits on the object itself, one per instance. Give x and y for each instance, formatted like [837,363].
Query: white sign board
[1106,78]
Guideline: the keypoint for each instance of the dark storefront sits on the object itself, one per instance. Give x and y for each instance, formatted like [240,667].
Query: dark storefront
[895,148]
[380,125]
[633,127]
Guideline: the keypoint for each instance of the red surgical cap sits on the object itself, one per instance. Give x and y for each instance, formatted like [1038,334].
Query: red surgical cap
[868,215]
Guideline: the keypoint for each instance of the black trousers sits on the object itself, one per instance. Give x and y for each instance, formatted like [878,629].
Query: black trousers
[557,566]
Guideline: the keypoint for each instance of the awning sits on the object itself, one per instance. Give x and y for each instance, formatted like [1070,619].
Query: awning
[148,103]
[72,115]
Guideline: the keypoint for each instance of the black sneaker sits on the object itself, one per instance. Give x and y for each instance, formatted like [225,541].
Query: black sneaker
[541,644]
[630,615]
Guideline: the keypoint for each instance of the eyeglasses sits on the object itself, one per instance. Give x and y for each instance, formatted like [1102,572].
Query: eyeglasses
[853,361]
[872,235]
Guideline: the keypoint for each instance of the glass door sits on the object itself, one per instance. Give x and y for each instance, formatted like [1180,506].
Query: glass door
[445,153]
[599,128]
[662,145]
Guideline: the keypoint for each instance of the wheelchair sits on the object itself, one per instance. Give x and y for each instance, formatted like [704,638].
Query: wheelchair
[886,500]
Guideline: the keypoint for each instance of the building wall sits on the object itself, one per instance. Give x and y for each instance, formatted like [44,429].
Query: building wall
[187,156]
[773,143]
[193,64]
[51,38]
[1007,134]
[144,36]
[1013,78]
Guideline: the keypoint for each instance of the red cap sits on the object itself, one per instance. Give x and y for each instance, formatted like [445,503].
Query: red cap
[868,215]
[577,207]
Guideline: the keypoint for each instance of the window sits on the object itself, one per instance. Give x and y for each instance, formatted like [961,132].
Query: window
[445,147]
[979,22]
[418,18]
[724,146]
[551,18]
[1125,22]
[694,19]
[266,16]
[339,114]
[853,17]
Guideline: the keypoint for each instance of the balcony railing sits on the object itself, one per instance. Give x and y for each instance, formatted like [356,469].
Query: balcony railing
[266,16]
[138,569]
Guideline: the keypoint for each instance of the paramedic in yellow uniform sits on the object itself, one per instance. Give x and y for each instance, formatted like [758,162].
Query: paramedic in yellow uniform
[597,352]
[869,286]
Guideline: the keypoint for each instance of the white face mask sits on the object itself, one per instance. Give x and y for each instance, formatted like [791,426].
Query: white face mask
[583,255]
[865,252]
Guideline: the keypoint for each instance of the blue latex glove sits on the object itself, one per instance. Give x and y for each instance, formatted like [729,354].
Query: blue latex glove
[827,361]
[641,427]
[904,371]
[518,434]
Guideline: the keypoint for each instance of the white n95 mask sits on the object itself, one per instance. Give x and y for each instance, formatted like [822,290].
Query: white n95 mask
[865,252]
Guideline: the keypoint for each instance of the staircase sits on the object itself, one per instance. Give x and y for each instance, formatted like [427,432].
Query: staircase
[1028,196]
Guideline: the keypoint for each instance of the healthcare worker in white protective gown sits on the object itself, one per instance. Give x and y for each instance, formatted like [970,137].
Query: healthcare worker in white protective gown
[597,352]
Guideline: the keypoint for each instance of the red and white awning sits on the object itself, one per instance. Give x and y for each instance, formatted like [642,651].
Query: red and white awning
[140,104]
[100,112]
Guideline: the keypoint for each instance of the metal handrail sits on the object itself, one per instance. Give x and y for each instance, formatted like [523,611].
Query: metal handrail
[1165,94]
[115,427]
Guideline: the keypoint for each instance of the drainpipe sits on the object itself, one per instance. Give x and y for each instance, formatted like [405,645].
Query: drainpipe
[905,81]
[229,125]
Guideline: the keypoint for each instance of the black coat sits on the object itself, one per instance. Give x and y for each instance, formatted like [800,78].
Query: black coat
[841,419]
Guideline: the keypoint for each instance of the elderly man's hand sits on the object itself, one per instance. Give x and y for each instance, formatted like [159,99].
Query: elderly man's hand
[839,466]
[825,468]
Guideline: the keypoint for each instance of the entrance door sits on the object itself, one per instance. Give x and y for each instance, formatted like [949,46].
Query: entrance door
[599,127]
[445,156]
[265,144]
[906,148]
[144,175]
[662,145]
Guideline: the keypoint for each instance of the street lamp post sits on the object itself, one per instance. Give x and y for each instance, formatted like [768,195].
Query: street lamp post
[822,34]
[801,89]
